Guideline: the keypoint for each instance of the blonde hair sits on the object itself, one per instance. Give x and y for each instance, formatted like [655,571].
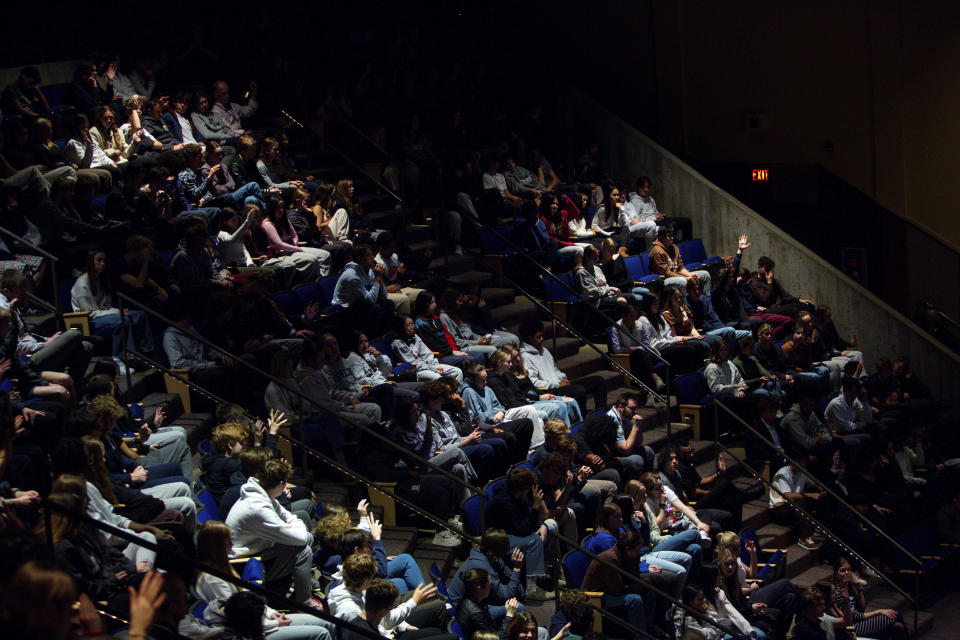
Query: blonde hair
[518,369]
[498,357]
[728,540]
[210,545]
[332,524]
[228,434]
[632,489]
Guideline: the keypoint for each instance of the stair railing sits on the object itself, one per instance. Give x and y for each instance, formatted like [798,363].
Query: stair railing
[46,254]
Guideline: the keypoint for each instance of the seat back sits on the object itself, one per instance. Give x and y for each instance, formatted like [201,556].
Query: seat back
[312,292]
[491,244]
[575,566]
[210,508]
[472,512]
[636,267]
[253,571]
[692,251]
[495,486]
[328,285]
[771,564]
[575,428]
[289,303]
[63,291]
[691,388]
[555,292]
[645,261]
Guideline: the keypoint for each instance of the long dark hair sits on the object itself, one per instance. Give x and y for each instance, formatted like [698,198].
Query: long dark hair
[243,614]
[421,304]
[646,306]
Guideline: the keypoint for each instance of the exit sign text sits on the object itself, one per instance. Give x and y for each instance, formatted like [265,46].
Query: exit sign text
[760,175]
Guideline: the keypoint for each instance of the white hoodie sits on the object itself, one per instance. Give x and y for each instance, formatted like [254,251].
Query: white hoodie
[347,605]
[259,522]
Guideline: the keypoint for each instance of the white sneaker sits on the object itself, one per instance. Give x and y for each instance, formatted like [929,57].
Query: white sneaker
[705,540]
[121,366]
[456,523]
[446,538]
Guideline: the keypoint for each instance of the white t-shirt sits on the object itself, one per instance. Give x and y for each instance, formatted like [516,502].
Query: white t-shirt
[495,181]
[391,264]
[787,481]
[186,129]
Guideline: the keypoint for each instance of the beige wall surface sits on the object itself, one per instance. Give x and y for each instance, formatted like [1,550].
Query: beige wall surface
[719,218]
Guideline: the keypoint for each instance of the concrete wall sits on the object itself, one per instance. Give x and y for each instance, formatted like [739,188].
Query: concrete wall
[719,218]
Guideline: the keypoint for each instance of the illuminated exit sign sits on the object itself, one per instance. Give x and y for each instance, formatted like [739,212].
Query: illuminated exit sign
[760,175]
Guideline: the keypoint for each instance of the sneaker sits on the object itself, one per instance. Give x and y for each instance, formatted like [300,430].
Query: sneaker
[705,541]
[446,538]
[809,544]
[538,595]
[456,523]
[121,367]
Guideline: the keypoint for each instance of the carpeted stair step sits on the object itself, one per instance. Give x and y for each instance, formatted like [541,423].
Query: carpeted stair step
[397,540]
[428,553]
[390,219]
[497,296]
[800,559]
[450,265]
[470,281]
[756,513]
[776,536]
[142,384]
[512,315]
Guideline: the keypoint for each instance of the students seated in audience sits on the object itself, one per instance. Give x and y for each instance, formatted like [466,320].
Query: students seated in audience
[260,526]
[408,347]
[665,260]
[666,570]
[682,548]
[23,377]
[434,334]
[578,227]
[214,544]
[269,169]
[635,456]
[790,484]
[622,597]
[23,97]
[472,615]
[332,221]
[849,414]
[891,404]
[504,569]
[756,449]
[689,627]
[553,219]
[544,373]
[221,463]
[781,595]
[283,240]
[646,208]
[512,374]
[812,621]
[593,283]
[208,124]
[847,601]
[456,321]
[626,337]
[803,362]
[723,377]
[615,270]
[324,373]
[245,615]
[715,491]
[232,113]
[366,368]
[683,354]
[413,429]
[727,595]
[346,601]
[362,292]
[482,401]
[561,487]
[769,295]
[515,433]
[487,455]
[707,322]
[758,379]
[519,510]
[668,489]
[679,318]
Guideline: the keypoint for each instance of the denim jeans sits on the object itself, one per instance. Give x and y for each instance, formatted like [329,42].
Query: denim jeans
[532,548]
[139,336]
[632,608]
[676,562]
[686,541]
[404,572]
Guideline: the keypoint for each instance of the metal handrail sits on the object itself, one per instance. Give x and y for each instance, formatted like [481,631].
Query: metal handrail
[285,385]
[763,438]
[304,446]
[343,155]
[580,336]
[43,252]
[272,596]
